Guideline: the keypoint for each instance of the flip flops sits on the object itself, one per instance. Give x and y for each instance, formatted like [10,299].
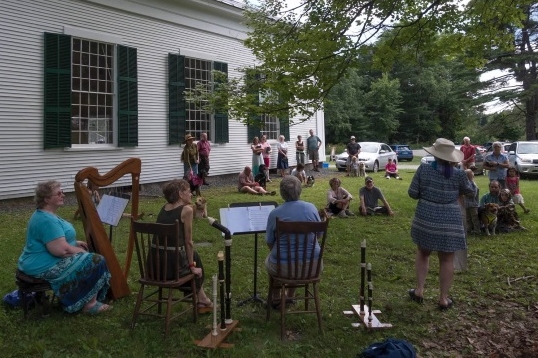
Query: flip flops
[97,308]
[414,296]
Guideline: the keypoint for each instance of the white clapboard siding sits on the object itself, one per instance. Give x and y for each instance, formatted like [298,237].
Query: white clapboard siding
[155,28]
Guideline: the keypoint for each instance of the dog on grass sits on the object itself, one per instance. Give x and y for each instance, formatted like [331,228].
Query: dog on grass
[362,169]
[323,214]
[488,217]
[200,207]
[310,180]
[355,166]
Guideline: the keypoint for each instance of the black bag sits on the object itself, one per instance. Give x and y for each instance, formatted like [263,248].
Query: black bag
[389,348]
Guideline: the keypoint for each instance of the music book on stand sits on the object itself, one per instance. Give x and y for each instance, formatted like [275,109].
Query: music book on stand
[245,219]
[111,208]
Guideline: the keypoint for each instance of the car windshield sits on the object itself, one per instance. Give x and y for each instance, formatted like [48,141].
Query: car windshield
[403,148]
[528,148]
[369,147]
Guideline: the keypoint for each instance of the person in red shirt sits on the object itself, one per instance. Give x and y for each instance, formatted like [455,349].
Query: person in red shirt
[391,170]
[469,153]
[204,148]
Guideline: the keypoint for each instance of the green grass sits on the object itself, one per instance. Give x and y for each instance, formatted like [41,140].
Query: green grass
[485,301]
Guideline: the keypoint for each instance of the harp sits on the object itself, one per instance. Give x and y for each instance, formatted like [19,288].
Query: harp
[96,236]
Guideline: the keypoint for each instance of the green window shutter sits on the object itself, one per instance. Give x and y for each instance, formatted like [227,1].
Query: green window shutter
[127,80]
[285,127]
[57,91]
[253,130]
[177,116]
[222,133]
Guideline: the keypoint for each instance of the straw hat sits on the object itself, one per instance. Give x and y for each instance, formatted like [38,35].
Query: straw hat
[188,137]
[445,150]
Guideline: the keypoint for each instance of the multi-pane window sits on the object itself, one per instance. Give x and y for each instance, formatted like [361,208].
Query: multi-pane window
[92,97]
[270,126]
[197,121]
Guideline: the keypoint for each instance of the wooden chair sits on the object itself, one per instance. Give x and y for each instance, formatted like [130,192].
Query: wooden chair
[299,275]
[161,260]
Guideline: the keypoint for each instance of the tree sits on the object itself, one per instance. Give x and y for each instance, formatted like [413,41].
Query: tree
[314,44]
[382,107]
[344,109]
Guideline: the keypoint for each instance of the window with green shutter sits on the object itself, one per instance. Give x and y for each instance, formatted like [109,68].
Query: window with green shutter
[222,132]
[79,88]
[176,99]
[127,97]
[185,73]
[267,125]
[57,91]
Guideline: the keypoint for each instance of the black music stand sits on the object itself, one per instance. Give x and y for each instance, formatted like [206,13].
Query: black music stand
[255,296]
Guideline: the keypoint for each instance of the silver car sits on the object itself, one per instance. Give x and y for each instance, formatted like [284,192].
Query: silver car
[524,157]
[374,155]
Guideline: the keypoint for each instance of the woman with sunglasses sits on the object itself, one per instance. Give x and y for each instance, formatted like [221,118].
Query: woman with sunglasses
[78,278]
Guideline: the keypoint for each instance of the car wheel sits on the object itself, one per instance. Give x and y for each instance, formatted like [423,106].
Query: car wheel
[376,167]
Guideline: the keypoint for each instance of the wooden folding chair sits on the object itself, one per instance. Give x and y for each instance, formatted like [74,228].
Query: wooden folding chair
[298,240]
[163,266]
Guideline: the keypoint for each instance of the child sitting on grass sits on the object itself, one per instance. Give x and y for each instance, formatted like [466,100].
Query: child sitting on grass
[512,184]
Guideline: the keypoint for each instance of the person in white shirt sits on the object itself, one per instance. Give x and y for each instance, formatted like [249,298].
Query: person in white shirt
[299,173]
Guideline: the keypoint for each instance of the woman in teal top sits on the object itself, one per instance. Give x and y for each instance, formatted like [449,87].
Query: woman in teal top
[78,278]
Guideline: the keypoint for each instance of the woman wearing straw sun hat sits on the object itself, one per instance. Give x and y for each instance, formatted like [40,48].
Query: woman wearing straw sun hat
[189,156]
[438,223]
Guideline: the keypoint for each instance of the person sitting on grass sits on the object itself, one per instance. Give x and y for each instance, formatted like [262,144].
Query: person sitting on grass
[261,177]
[299,173]
[246,184]
[338,199]
[391,170]
[369,196]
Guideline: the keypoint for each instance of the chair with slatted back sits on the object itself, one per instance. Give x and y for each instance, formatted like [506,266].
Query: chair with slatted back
[164,272]
[298,239]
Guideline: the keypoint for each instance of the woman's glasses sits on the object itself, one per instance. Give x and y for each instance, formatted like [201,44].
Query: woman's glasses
[60,193]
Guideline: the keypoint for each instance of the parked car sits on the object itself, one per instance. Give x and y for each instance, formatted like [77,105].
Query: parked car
[374,155]
[402,151]
[524,157]
[504,148]
[479,160]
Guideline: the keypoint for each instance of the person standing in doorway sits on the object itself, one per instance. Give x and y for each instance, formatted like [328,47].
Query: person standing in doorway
[353,149]
[204,148]
[312,144]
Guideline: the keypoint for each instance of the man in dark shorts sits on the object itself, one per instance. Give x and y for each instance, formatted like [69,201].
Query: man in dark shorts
[312,145]
[353,148]
[370,195]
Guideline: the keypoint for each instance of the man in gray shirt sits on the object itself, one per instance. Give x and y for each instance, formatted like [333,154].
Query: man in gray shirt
[369,196]
[312,145]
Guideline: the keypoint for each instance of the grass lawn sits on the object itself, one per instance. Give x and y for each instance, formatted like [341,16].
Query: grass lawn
[496,299]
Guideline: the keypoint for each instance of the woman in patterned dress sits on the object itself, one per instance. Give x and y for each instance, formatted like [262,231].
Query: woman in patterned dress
[438,223]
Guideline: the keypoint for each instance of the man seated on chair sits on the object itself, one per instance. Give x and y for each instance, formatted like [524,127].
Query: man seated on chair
[246,184]
[293,209]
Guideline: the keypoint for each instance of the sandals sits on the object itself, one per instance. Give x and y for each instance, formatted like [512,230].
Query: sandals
[204,307]
[447,306]
[414,297]
[97,308]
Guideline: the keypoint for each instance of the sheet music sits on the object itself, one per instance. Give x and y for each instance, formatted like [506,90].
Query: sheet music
[246,219]
[111,208]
